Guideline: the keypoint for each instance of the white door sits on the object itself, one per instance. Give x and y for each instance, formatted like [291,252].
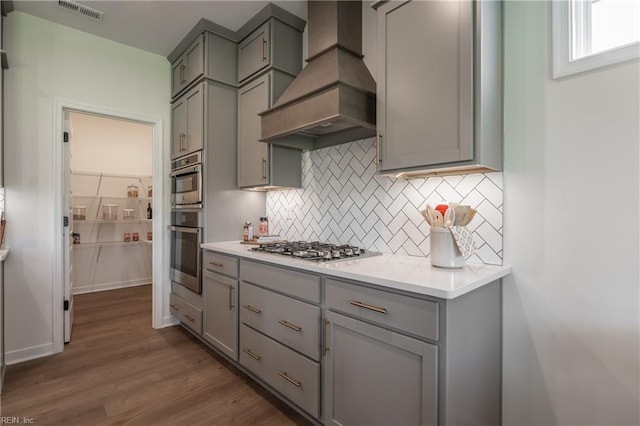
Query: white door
[67,230]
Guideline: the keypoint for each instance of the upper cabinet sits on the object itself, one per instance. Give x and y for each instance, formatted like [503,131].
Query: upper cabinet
[272,39]
[439,104]
[269,58]
[187,122]
[209,51]
[188,67]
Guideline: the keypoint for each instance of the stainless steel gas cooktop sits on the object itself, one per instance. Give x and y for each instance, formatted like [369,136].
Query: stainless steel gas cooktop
[316,251]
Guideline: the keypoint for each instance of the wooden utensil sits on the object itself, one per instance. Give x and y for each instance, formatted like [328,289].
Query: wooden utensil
[437,220]
[425,214]
[461,214]
[449,217]
[470,215]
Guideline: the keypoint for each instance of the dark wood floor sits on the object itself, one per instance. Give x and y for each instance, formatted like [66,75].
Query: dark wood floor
[119,370]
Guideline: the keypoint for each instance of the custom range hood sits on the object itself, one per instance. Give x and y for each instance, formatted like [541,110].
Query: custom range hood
[333,99]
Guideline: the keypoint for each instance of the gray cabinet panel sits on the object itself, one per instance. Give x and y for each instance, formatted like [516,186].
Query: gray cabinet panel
[261,164]
[289,373]
[220,263]
[425,95]
[186,313]
[253,52]
[188,67]
[187,118]
[376,377]
[298,284]
[409,314]
[294,323]
[220,296]
[253,155]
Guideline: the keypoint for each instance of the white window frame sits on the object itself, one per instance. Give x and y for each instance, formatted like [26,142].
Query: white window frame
[571,37]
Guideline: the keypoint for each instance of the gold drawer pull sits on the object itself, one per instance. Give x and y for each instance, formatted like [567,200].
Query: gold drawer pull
[252,355]
[252,309]
[175,307]
[325,323]
[291,326]
[371,308]
[284,375]
[189,317]
[219,265]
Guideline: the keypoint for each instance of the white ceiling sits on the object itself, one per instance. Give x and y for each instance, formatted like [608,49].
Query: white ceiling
[154,26]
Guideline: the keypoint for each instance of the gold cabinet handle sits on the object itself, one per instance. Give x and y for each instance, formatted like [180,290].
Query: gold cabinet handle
[181,142]
[284,375]
[252,309]
[379,147]
[371,308]
[231,298]
[216,264]
[289,325]
[252,355]
[190,318]
[175,307]
[264,169]
[325,324]
[264,50]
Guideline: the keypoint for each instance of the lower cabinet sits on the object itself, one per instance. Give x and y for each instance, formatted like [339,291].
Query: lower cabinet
[374,376]
[220,325]
[291,374]
[188,314]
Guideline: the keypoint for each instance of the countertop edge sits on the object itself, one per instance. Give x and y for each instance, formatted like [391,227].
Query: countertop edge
[500,272]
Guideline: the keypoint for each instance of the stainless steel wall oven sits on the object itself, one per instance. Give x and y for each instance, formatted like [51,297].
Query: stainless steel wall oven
[186,258]
[186,182]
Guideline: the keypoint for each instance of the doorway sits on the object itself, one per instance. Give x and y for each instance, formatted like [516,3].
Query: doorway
[108,193]
[106,232]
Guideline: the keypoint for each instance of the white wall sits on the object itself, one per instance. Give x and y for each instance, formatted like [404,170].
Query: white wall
[571,180]
[105,145]
[50,61]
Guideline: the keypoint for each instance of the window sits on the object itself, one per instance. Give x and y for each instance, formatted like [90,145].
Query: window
[589,34]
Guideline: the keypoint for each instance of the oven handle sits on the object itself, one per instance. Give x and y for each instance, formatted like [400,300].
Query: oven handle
[186,170]
[185,229]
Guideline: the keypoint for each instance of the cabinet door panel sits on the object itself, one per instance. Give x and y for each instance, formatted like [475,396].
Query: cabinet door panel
[220,296]
[195,60]
[425,102]
[195,120]
[253,159]
[177,76]
[376,377]
[253,52]
[179,127]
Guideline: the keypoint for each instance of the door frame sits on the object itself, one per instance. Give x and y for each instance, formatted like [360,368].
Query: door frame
[160,240]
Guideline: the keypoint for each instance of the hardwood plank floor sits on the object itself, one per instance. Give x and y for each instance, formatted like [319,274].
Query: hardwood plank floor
[119,370]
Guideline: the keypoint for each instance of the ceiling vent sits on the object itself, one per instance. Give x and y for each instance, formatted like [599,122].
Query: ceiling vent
[80,9]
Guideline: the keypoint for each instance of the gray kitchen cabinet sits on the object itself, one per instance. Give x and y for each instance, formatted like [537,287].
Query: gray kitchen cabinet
[260,164]
[220,324]
[187,122]
[188,67]
[272,38]
[439,87]
[188,314]
[280,331]
[376,377]
[208,51]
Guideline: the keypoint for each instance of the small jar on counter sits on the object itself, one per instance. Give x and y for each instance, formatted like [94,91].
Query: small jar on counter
[149,235]
[247,232]
[150,191]
[136,236]
[263,230]
[127,237]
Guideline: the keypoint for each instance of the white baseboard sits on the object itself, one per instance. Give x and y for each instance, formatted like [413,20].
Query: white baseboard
[110,286]
[22,355]
[169,321]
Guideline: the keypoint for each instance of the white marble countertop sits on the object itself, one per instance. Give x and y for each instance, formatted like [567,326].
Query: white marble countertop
[401,272]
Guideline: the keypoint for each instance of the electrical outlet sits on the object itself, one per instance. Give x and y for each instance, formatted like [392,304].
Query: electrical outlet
[289,214]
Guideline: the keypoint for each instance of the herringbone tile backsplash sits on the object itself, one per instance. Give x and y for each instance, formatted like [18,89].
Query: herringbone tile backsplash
[342,200]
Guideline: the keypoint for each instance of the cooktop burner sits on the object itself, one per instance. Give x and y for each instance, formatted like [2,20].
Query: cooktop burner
[316,251]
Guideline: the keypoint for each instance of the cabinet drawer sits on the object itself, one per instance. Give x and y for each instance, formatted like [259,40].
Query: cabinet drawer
[289,321]
[253,52]
[220,263]
[188,314]
[298,284]
[288,372]
[415,316]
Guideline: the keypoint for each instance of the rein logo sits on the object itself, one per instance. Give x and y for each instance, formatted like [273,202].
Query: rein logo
[5,420]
